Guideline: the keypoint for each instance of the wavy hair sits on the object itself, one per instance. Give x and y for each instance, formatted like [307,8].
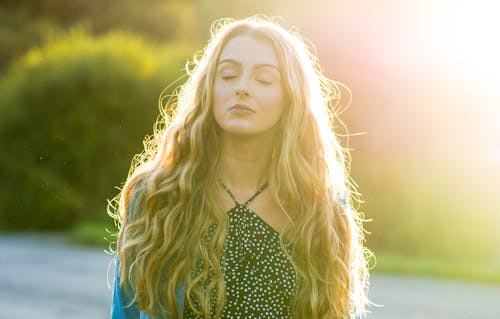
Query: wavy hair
[175,182]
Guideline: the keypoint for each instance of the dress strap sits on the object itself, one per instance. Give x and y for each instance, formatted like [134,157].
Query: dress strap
[260,190]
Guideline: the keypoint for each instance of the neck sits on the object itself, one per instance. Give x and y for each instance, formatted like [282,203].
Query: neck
[246,161]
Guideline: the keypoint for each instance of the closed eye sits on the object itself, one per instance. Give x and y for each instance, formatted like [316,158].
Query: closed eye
[265,82]
[228,77]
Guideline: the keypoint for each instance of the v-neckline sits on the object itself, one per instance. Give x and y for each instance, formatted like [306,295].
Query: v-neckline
[244,206]
[258,217]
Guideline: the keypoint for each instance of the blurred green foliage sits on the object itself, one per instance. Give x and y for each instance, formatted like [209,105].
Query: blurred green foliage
[24,23]
[417,208]
[72,115]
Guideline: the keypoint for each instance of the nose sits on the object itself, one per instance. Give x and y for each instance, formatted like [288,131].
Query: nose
[242,87]
[242,92]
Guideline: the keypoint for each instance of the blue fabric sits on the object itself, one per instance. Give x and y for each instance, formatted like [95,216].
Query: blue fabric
[122,306]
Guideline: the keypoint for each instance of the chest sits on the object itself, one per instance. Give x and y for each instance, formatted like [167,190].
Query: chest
[259,278]
[258,273]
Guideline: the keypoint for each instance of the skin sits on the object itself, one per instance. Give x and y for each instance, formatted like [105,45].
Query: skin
[248,101]
[248,95]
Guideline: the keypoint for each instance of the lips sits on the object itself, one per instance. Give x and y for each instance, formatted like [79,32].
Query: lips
[241,108]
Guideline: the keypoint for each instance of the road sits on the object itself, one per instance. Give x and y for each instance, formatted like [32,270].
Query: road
[42,276]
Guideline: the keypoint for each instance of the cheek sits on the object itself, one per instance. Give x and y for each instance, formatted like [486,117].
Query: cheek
[217,102]
[220,91]
[276,102]
[215,94]
[217,99]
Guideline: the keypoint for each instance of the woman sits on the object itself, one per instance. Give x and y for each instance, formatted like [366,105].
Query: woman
[240,204]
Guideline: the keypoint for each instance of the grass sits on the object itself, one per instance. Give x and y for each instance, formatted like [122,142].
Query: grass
[98,235]
[424,266]
[92,234]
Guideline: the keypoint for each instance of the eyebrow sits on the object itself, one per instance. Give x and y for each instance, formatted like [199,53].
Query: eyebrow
[260,65]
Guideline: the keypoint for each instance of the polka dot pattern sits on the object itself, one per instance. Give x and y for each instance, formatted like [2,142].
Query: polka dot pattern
[259,278]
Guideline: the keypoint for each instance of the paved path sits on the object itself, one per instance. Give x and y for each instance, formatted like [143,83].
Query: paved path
[43,277]
[423,298]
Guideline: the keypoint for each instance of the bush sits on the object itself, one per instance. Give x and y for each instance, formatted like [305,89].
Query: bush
[26,22]
[72,114]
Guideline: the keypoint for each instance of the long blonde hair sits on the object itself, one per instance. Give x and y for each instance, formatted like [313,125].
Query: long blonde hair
[175,185]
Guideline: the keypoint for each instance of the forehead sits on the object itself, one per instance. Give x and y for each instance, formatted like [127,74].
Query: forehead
[249,50]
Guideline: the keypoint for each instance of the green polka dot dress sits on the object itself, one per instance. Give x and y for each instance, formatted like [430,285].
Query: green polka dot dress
[259,278]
